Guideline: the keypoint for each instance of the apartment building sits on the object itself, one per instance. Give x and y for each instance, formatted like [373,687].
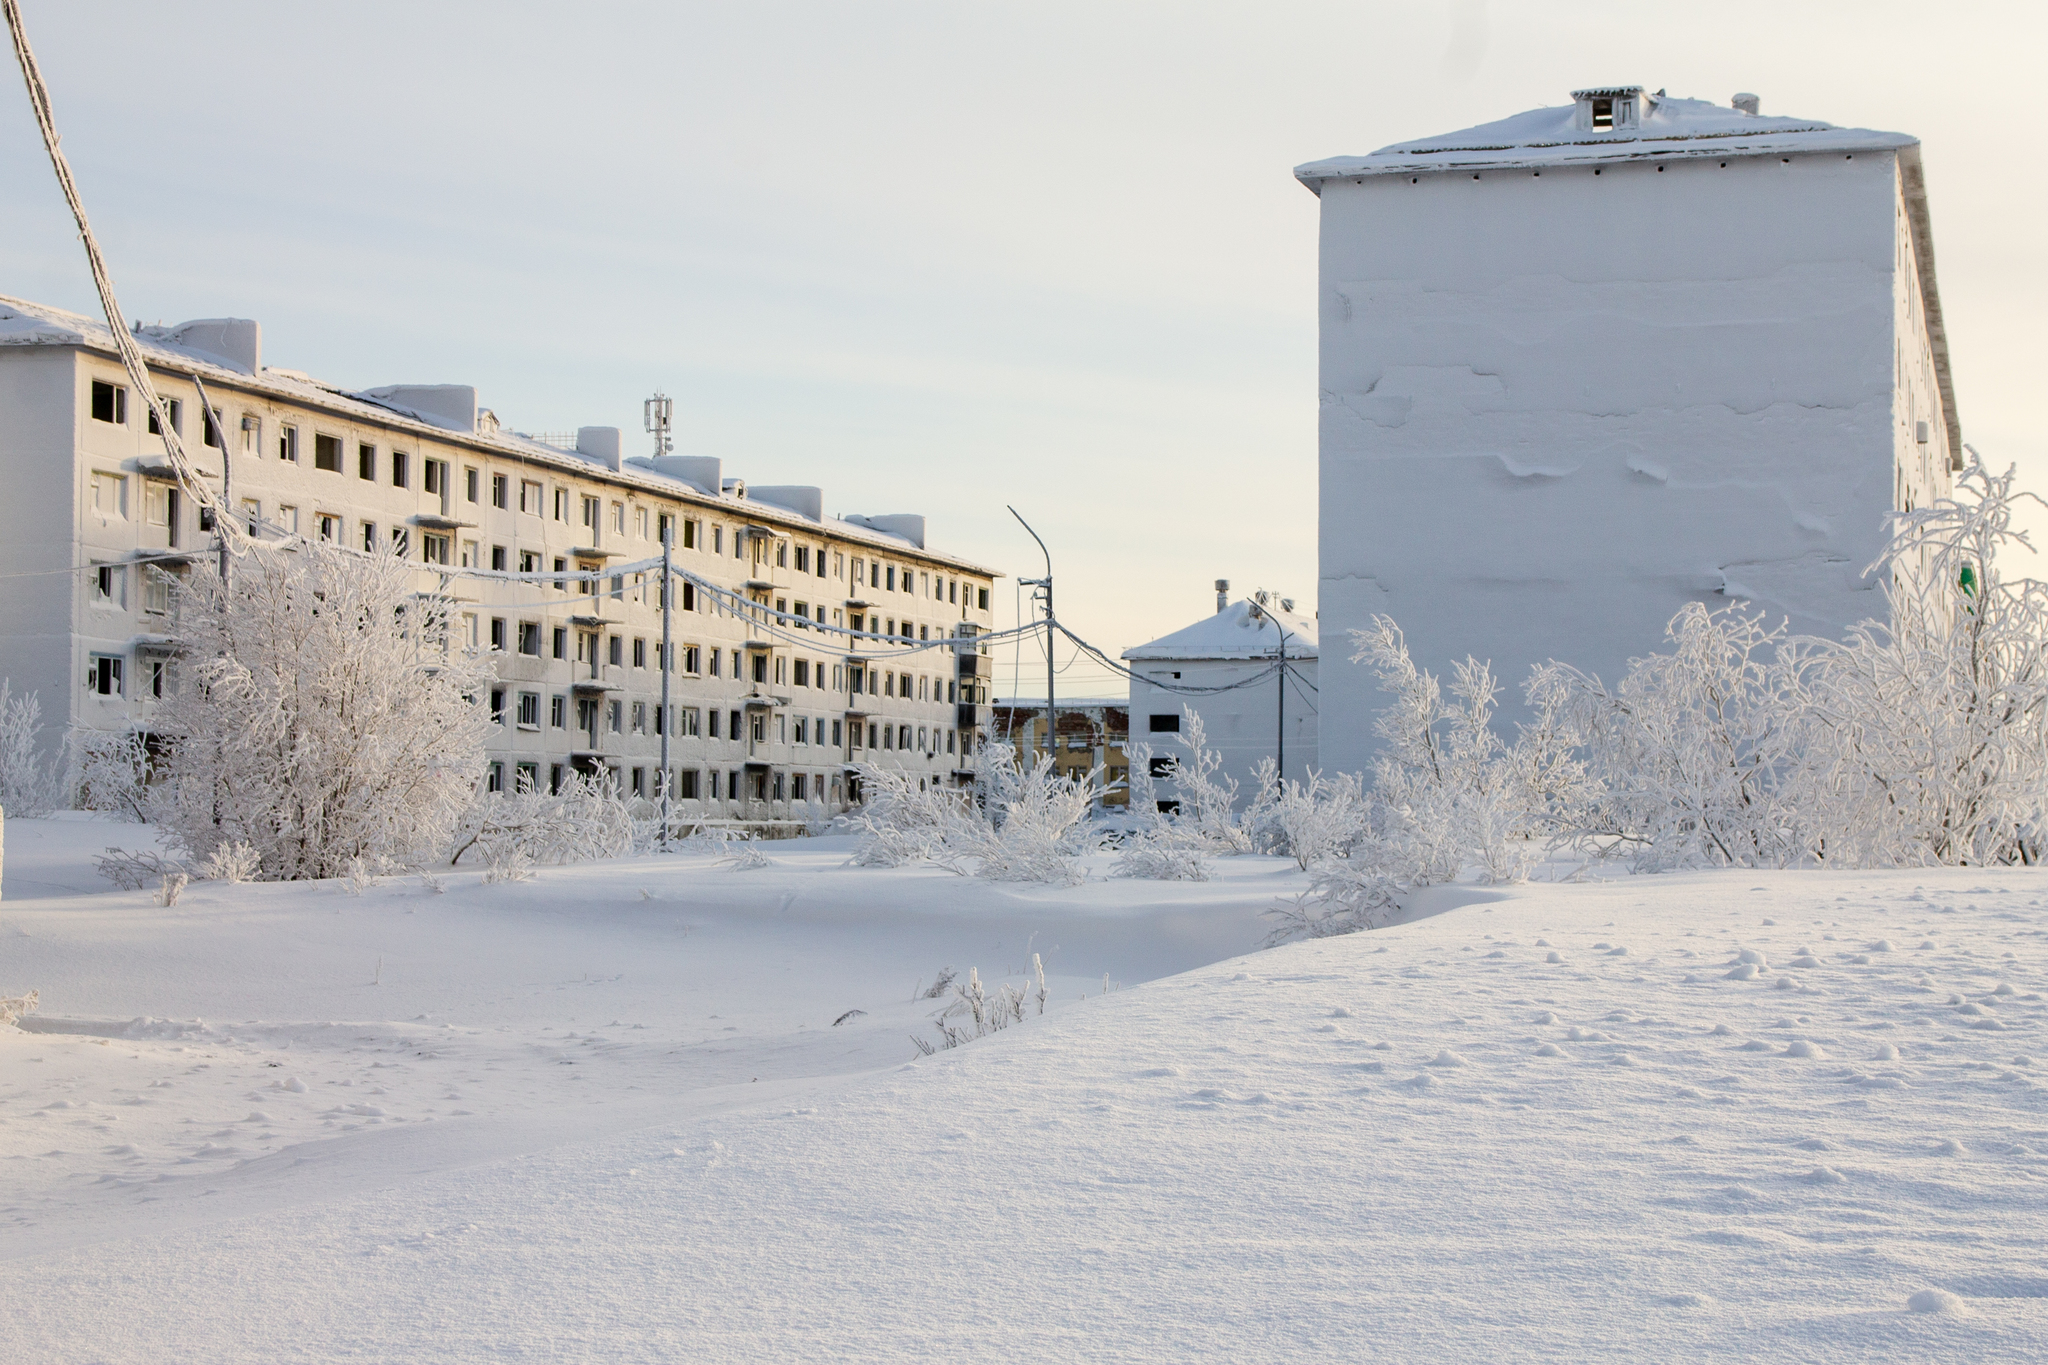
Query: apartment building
[772,699]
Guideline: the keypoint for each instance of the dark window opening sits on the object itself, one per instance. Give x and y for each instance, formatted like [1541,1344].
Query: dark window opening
[1164,725]
[1603,113]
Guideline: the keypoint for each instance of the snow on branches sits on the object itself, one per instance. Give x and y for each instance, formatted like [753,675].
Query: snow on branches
[323,715]
[1018,825]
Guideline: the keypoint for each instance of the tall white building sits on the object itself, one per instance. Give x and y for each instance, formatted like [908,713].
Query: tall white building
[1249,672]
[766,711]
[1592,362]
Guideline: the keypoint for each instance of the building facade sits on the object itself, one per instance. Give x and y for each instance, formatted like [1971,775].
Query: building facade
[772,701]
[1089,733]
[1590,363]
[1250,673]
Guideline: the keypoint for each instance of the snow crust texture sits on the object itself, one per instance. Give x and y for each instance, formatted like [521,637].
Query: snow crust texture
[1488,1134]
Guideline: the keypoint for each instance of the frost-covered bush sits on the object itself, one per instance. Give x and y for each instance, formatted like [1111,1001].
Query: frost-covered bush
[1929,735]
[1318,820]
[13,1007]
[1174,845]
[1695,750]
[980,1011]
[110,772]
[1018,826]
[230,863]
[585,819]
[28,786]
[131,870]
[321,716]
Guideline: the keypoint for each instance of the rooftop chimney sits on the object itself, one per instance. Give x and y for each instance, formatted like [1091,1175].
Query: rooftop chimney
[1748,104]
[1222,593]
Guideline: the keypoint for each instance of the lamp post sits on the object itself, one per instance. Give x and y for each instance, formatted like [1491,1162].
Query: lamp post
[1280,723]
[657,412]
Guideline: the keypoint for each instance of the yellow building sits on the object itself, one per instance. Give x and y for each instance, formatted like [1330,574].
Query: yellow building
[1091,733]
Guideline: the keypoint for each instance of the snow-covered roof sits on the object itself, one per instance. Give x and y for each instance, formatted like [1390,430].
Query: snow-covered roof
[1242,630]
[1556,135]
[25,323]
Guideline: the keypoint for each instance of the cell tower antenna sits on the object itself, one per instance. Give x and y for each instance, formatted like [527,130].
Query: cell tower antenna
[657,411]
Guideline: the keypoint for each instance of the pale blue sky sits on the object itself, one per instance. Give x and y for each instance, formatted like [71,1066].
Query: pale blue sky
[934,257]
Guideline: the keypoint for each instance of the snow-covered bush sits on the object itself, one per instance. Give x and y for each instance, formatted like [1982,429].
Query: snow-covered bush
[230,863]
[585,819]
[13,1007]
[1174,845]
[131,870]
[748,857]
[1694,750]
[981,1011]
[28,787]
[902,822]
[1020,826]
[321,715]
[1928,736]
[1320,819]
[109,772]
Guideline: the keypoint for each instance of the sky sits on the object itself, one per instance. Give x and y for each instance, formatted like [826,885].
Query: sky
[933,257]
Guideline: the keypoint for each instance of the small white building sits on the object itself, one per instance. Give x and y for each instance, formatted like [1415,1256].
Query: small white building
[1592,362]
[1249,672]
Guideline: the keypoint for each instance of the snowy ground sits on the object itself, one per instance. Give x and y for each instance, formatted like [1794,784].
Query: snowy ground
[605,1115]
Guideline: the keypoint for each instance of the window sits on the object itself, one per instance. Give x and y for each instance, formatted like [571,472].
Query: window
[401,469]
[498,705]
[686,784]
[529,638]
[718,540]
[821,561]
[327,453]
[561,642]
[639,781]
[561,504]
[103,675]
[288,444]
[732,725]
[366,462]
[558,711]
[529,710]
[501,490]
[401,541]
[983,594]
[617,650]
[1164,725]
[615,716]
[693,534]
[803,730]
[210,428]
[472,484]
[760,668]
[892,578]
[109,403]
[803,559]
[529,777]
[590,514]
[495,781]
[110,585]
[472,555]
[434,548]
[156,678]
[692,659]
[159,505]
[329,525]
[803,672]
[370,536]
[110,494]
[529,497]
[469,628]
[174,408]
[639,651]
[498,633]
[252,433]
[434,480]
[156,592]
[836,731]
[619,518]
[561,566]
[781,671]
[288,520]
[639,717]
[1162,766]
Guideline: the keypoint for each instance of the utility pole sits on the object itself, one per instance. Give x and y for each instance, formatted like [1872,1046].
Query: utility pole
[1045,584]
[1280,733]
[657,412]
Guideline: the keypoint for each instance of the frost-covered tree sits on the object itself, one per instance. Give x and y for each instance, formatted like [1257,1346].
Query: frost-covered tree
[1021,825]
[1697,750]
[585,818]
[109,772]
[27,782]
[321,716]
[1928,733]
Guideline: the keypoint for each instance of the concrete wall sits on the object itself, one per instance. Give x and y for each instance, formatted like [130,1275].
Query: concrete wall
[1557,406]
[38,530]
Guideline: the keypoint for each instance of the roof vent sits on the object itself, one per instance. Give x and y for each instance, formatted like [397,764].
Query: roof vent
[451,407]
[1747,103]
[1222,593]
[1610,108]
[238,341]
[600,444]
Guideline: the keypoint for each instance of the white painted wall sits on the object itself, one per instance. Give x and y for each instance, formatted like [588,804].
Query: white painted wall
[1242,724]
[38,517]
[1557,406]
